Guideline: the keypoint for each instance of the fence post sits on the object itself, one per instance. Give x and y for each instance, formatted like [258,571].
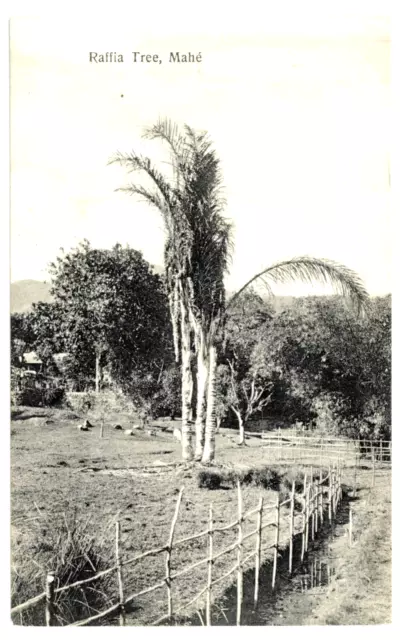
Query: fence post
[239,557]
[350,527]
[122,618]
[330,494]
[355,478]
[210,562]
[333,491]
[307,515]
[336,490]
[291,525]
[276,540]
[316,506]
[381,451]
[373,457]
[49,612]
[169,554]
[321,500]
[312,503]
[304,498]
[258,553]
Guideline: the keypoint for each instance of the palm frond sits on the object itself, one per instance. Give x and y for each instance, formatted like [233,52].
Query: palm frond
[169,132]
[309,270]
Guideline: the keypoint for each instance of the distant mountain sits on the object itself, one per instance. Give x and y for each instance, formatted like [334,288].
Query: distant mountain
[24,293]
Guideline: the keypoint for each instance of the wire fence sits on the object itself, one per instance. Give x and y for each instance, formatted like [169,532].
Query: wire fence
[318,501]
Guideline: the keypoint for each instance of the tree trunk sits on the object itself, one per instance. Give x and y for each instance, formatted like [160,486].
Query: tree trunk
[210,426]
[186,386]
[241,426]
[97,372]
[202,382]
[241,429]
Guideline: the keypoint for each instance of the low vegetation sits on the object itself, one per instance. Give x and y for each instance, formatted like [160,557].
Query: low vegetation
[73,550]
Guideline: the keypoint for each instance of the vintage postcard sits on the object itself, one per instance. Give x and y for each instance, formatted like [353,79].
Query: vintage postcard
[201,321]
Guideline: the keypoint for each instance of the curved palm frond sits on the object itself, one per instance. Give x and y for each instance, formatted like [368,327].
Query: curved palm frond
[308,270]
[135,162]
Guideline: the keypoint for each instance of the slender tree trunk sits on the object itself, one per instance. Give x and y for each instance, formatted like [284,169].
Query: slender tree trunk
[202,383]
[97,372]
[186,386]
[241,428]
[210,426]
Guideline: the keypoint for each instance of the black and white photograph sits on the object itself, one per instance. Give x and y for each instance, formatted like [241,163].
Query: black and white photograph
[200,320]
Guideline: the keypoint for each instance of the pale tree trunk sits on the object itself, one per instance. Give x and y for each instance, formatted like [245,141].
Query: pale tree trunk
[97,372]
[187,386]
[241,428]
[202,382]
[210,426]
[241,425]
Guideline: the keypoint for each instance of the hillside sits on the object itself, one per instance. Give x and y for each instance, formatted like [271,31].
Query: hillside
[24,293]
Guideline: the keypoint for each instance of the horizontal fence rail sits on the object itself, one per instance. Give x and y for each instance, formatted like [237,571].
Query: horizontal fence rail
[319,500]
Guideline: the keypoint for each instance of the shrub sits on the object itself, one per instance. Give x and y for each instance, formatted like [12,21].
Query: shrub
[69,549]
[332,412]
[53,397]
[264,477]
[209,479]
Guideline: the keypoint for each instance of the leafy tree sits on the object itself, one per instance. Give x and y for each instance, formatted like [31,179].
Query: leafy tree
[241,381]
[109,308]
[168,395]
[334,367]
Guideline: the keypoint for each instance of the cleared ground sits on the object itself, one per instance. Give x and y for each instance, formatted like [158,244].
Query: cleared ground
[58,471]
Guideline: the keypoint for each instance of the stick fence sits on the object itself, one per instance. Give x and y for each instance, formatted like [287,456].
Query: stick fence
[317,497]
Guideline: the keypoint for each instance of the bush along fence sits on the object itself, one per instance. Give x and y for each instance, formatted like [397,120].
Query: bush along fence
[302,514]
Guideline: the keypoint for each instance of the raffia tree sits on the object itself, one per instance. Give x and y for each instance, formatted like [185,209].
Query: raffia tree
[197,252]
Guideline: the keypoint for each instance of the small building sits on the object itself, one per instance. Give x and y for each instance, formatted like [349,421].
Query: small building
[31,362]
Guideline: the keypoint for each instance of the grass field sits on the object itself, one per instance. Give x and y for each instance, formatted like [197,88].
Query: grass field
[361,593]
[58,471]
[60,474]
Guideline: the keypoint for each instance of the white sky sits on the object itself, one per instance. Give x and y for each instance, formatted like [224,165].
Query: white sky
[299,114]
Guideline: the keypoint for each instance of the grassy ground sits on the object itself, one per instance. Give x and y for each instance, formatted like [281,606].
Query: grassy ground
[61,473]
[58,471]
[361,593]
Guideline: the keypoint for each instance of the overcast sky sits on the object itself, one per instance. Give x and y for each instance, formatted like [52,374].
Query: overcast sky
[299,114]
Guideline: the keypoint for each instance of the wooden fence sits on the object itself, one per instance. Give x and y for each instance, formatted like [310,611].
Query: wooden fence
[319,499]
[324,450]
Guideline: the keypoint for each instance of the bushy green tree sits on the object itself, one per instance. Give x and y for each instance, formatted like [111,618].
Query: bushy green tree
[109,309]
[334,367]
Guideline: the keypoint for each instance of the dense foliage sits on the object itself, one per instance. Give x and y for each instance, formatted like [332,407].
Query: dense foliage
[313,362]
[109,310]
[316,361]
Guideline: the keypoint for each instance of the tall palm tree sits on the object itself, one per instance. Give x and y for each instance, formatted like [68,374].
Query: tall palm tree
[197,253]
[197,250]
[306,269]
